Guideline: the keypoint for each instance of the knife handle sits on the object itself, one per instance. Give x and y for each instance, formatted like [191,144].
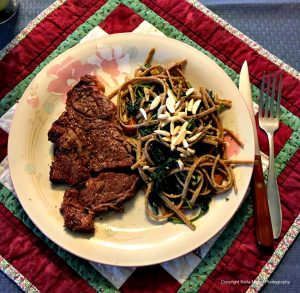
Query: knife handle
[263,226]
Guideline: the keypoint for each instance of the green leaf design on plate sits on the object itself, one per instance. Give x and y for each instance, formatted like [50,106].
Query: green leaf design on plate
[30,169]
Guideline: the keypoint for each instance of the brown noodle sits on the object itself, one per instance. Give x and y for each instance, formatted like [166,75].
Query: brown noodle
[179,142]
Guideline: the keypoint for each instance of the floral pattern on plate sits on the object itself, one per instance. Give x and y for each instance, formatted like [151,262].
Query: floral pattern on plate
[112,63]
[66,74]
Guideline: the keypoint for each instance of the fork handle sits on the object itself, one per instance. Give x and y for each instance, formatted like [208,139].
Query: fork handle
[273,193]
[263,227]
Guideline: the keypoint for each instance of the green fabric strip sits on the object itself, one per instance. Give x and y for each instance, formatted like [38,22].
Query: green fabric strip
[287,152]
[13,96]
[81,266]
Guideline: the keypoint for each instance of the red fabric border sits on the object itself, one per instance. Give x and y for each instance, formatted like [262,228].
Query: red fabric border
[225,46]
[32,50]
[35,260]
[150,279]
[3,144]
[121,20]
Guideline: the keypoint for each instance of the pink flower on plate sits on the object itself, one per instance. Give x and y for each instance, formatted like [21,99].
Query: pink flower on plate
[66,74]
[232,147]
[112,64]
[33,101]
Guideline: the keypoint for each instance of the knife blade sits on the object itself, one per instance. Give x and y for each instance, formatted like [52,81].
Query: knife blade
[263,227]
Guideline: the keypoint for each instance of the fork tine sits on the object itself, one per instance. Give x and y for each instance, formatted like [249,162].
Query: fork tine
[261,95]
[278,96]
[267,99]
[272,114]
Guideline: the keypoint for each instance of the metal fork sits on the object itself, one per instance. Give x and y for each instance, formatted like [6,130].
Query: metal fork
[268,117]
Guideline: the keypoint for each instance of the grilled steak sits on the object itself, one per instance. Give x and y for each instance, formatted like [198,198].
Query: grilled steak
[68,168]
[87,141]
[108,191]
[85,137]
[76,216]
[87,98]
[107,147]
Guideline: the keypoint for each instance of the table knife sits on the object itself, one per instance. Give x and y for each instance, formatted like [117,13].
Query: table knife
[263,227]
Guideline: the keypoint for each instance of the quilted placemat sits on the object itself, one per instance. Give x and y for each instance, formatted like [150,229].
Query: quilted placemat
[231,261]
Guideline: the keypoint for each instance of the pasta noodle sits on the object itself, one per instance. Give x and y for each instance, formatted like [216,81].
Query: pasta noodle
[178,138]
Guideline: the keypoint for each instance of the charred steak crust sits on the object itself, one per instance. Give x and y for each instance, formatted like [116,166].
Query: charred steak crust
[87,141]
[76,216]
[106,192]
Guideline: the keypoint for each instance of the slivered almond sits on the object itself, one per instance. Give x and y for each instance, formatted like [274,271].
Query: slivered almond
[177,118]
[171,96]
[182,115]
[163,116]
[179,138]
[164,122]
[172,127]
[196,106]
[143,112]
[190,105]
[181,150]
[191,150]
[180,164]
[170,106]
[167,139]
[170,102]
[184,125]
[161,109]
[176,130]
[145,167]
[189,91]
[194,137]
[155,102]
[162,132]
[185,144]
[177,104]
[146,93]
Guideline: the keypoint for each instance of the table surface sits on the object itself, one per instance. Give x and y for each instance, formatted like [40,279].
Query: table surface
[265,21]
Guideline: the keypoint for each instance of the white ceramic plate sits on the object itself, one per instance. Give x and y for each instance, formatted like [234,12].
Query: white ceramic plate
[128,239]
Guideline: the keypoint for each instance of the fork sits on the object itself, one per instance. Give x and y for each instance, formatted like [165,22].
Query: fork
[268,118]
